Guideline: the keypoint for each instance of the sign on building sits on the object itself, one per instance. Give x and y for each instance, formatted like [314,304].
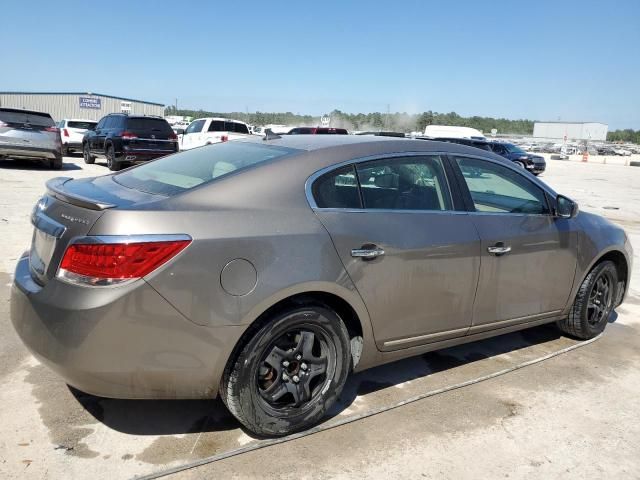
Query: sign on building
[125,107]
[90,102]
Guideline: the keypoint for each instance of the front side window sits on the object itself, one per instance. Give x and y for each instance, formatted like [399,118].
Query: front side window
[498,189]
[195,127]
[409,183]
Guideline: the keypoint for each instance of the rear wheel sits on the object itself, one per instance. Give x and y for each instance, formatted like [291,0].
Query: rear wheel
[86,153]
[593,304]
[112,163]
[56,163]
[290,372]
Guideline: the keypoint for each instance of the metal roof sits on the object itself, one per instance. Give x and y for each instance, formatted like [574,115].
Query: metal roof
[84,93]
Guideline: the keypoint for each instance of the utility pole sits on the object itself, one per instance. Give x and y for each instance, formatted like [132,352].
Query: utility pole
[176,105]
[386,120]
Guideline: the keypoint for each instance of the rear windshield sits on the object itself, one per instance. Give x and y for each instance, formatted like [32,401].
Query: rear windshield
[82,125]
[186,170]
[152,124]
[32,118]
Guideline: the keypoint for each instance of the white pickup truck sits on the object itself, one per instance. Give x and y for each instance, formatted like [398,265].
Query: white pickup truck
[205,131]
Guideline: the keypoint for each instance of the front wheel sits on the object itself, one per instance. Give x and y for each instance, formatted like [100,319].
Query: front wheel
[519,164]
[593,304]
[289,373]
[86,154]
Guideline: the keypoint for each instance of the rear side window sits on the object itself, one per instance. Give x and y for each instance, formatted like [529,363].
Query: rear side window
[27,117]
[236,127]
[337,189]
[150,124]
[411,183]
[217,126]
[186,170]
[83,125]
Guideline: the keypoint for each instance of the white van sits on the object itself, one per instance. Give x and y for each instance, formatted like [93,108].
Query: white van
[438,131]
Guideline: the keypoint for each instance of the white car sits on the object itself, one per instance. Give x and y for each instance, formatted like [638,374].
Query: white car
[71,132]
[205,131]
[622,151]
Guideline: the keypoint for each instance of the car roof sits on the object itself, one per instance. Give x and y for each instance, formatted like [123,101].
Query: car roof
[222,119]
[366,144]
[78,120]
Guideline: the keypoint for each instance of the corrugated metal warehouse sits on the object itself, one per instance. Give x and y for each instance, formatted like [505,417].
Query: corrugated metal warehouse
[572,130]
[85,105]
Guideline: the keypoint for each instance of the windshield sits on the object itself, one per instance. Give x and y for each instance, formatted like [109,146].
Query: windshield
[186,170]
[514,149]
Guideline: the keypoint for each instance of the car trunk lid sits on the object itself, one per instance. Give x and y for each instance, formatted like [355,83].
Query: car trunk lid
[69,209]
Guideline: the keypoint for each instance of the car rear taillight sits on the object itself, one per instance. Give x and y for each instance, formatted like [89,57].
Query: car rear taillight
[65,132]
[105,264]
[224,138]
[173,136]
[129,135]
[51,129]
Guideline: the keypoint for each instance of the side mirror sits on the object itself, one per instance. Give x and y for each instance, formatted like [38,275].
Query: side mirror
[565,207]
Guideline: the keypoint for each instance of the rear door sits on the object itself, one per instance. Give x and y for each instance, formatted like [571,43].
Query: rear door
[528,255]
[413,257]
[97,140]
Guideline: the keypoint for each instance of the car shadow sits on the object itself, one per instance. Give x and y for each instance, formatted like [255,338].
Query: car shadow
[173,417]
[26,165]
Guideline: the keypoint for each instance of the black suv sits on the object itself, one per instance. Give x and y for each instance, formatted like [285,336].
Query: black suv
[122,138]
[536,164]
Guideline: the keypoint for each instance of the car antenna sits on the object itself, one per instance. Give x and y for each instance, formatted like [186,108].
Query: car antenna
[269,135]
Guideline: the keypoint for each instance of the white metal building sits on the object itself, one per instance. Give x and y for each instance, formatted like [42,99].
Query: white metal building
[572,130]
[85,105]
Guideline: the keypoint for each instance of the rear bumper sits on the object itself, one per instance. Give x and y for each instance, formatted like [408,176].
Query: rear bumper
[132,154]
[72,145]
[125,342]
[18,151]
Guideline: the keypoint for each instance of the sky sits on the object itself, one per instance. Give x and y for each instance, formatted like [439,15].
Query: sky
[540,60]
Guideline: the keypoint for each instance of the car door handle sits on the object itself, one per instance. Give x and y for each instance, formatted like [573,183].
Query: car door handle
[367,252]
[499,249]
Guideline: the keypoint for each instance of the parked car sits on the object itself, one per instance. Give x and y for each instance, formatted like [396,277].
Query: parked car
[31,135]
[72,131]
[622,151]
[383,134]
[318,131]
[536,164]
[248,270]
[128,139]
[481,144]
[449,131]
[205,131]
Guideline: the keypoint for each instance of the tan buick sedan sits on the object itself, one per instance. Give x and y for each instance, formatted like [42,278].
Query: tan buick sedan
[265,271]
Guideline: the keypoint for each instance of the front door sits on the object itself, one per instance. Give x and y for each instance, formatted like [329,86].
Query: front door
[413,259]
[528,255]
[190,137]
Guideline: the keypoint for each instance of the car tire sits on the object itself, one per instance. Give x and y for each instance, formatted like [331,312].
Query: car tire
[86,153]
[288,372]
[593,304]
[112,163]
[65,151]
[519,164]
[56,163]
